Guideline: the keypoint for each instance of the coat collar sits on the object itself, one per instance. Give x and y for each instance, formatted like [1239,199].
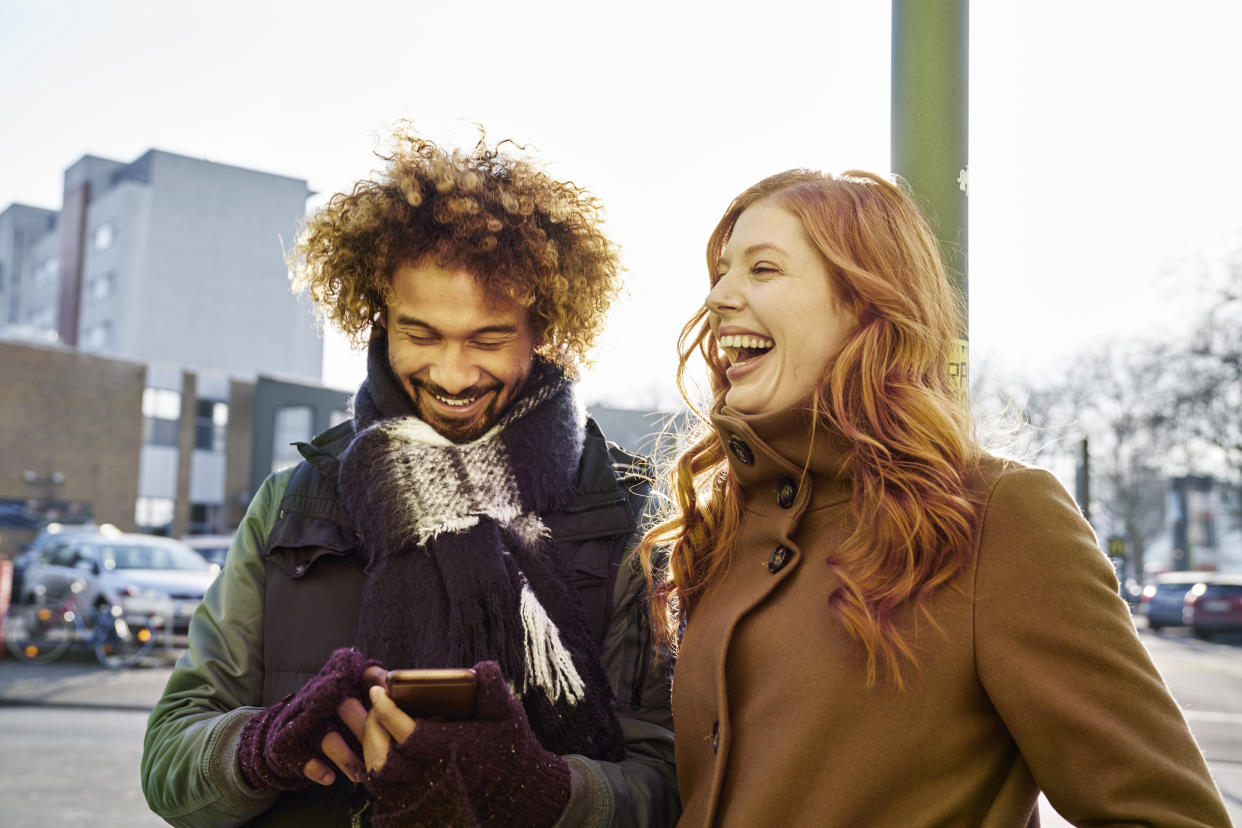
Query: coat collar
[769,453]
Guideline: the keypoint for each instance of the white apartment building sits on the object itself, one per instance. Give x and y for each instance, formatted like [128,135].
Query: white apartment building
[176,263]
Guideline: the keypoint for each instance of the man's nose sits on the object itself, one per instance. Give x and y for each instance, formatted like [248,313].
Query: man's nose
[454,370]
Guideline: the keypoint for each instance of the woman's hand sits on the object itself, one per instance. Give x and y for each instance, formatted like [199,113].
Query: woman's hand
[385,726]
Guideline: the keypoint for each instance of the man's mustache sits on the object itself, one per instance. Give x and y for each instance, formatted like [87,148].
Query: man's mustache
[439,391]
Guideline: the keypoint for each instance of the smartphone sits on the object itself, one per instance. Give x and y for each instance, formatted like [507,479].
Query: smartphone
[445,694]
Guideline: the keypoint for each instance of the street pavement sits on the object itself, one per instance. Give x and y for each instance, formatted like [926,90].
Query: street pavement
[78,680]
[71,739]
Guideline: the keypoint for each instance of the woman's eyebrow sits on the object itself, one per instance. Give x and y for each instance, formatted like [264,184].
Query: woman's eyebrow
[755,248]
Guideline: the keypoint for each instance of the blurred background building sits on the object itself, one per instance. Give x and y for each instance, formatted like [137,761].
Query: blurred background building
[168,259]
[141,323]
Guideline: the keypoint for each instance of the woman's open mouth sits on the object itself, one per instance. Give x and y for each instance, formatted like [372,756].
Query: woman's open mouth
[742,349]
[745,352]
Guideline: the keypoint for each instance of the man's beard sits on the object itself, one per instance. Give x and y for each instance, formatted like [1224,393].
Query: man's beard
[452,428]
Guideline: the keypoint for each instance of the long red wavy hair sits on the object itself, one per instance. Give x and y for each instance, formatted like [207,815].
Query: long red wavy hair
[888,391]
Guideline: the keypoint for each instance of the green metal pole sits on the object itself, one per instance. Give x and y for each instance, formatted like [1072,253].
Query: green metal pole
[929,119]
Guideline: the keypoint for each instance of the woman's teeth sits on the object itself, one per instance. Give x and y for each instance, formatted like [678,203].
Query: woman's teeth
[741,348]
[747,341]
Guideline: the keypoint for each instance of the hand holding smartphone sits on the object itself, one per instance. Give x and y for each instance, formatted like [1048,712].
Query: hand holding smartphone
[445,694]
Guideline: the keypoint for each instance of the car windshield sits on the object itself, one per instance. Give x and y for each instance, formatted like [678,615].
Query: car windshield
[149,556]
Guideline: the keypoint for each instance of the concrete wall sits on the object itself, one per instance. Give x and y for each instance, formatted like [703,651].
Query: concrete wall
[237,491]
[272,394]
[20,227]
[214,288]
[111,295]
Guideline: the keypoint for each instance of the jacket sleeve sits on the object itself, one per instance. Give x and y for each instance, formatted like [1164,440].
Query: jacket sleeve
[189,768]
[1059,657]
[641,789]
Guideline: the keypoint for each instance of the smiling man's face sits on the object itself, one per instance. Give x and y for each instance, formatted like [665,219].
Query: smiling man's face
[461,354]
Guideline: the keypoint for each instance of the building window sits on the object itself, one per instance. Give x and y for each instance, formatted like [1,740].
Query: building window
[211,423]
[162,403]
[154,515]
[98,337]
[103,236]
[102,286]
[157,432]
[292,425]
[43,319]
[46,270]
[161,412]
[205,519]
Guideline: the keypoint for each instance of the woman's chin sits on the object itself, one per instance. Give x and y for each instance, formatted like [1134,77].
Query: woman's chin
[746,401]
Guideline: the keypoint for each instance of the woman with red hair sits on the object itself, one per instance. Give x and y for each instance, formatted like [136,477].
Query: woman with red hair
[877,622]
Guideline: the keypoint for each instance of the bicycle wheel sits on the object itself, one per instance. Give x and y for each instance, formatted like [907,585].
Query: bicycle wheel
[37,633]
[119,643]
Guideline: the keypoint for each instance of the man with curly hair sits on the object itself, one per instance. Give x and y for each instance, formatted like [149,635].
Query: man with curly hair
[469,515]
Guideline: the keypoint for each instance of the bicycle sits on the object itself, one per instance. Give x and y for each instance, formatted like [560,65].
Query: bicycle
[41,631]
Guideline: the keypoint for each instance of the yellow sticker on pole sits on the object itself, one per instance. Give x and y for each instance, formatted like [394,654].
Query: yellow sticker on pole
[959,375]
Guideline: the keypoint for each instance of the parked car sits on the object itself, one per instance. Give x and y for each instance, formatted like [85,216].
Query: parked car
[142,574]
[49,536]
[213,548]
[1163,598]
[1214,606]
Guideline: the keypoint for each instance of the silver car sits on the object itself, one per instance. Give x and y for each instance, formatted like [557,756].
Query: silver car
[142,574]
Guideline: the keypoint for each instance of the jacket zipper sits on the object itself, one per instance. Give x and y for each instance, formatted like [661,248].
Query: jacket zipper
[638,677]
[574,508]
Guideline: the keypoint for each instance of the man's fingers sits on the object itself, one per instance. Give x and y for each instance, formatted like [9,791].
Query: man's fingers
[336,749]
[353,714]
[317,771]
[395,720]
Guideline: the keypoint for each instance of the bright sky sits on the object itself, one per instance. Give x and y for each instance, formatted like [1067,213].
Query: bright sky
[1105,134]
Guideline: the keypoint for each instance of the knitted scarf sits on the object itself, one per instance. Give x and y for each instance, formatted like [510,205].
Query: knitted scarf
[461,568]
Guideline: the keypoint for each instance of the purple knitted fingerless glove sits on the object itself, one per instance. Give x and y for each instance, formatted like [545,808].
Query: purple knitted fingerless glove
[414,792]
[490,770]
[278,742]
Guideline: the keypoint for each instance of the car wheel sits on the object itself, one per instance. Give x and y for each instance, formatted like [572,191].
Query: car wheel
[1201,634]
[1154,627]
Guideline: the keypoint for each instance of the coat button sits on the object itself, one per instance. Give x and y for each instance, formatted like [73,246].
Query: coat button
[785,492]
[778,559]
[741,451]
[715,735]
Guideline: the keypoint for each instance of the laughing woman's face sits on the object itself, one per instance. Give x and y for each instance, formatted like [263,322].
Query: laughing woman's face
[774,312]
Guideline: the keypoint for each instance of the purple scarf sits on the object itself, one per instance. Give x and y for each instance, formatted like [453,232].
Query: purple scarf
[461,568]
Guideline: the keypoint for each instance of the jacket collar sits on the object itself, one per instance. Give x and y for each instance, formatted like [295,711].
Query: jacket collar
[768,453]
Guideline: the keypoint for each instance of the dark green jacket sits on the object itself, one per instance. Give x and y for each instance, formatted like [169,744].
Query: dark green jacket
[289,595]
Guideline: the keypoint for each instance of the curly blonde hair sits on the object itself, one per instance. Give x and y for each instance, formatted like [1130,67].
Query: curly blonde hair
[498,216]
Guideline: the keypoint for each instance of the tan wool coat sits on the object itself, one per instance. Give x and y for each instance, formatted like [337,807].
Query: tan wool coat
[1031,678]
